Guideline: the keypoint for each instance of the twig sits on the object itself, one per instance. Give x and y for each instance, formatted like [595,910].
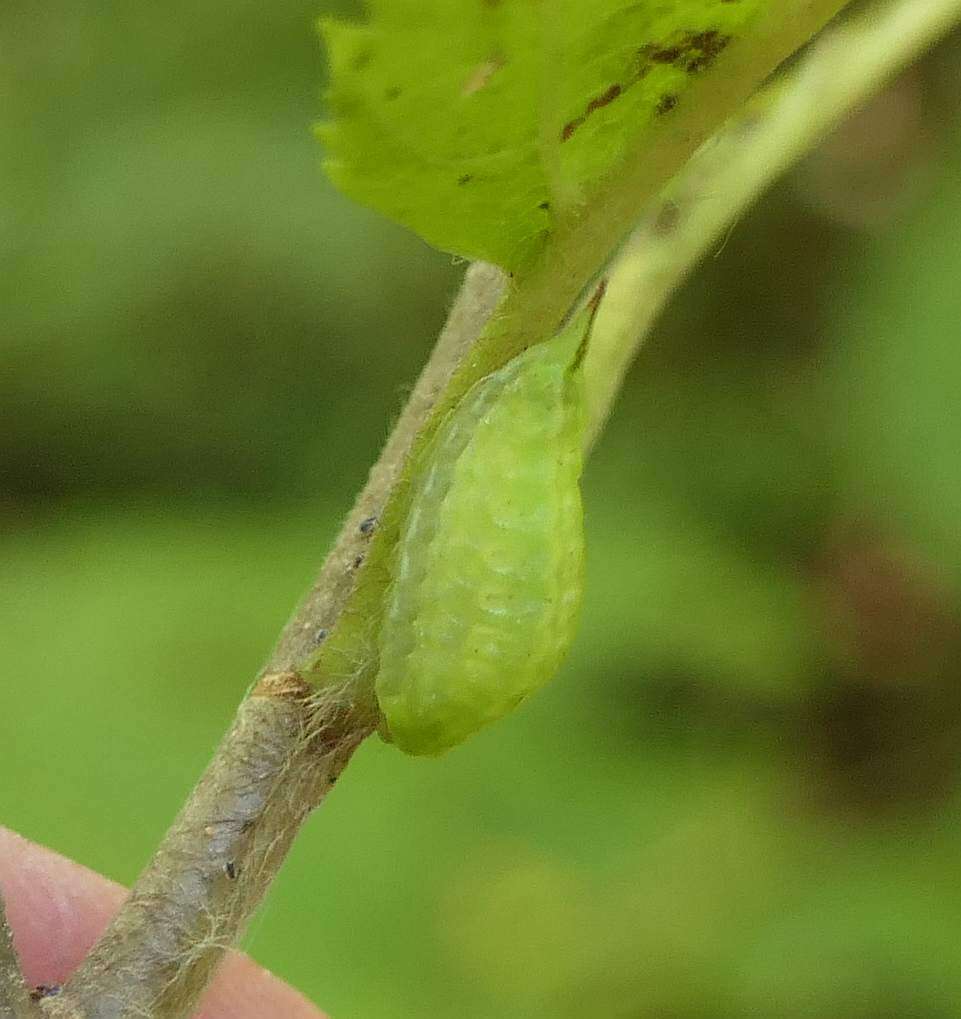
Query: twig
[482,292]
[15,1002]
[277,762]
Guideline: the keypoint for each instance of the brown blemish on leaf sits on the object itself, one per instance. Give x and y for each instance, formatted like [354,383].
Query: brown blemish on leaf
[393,92]
[544,205]
[597,103]
[481,75]
[662,56]
[665,104]
[466,179]
[602,100]
[707,47]
[690,51]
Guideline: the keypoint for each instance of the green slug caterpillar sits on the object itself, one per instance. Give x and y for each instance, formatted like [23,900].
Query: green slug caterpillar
[486,577]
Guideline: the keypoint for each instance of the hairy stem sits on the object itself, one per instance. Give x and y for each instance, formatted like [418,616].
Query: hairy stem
[482,292]
[277,762]
[15,1001]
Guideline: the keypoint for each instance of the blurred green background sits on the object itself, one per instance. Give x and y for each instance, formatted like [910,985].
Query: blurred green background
[742,797]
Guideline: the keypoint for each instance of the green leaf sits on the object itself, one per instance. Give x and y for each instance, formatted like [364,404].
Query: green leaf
[487,125]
